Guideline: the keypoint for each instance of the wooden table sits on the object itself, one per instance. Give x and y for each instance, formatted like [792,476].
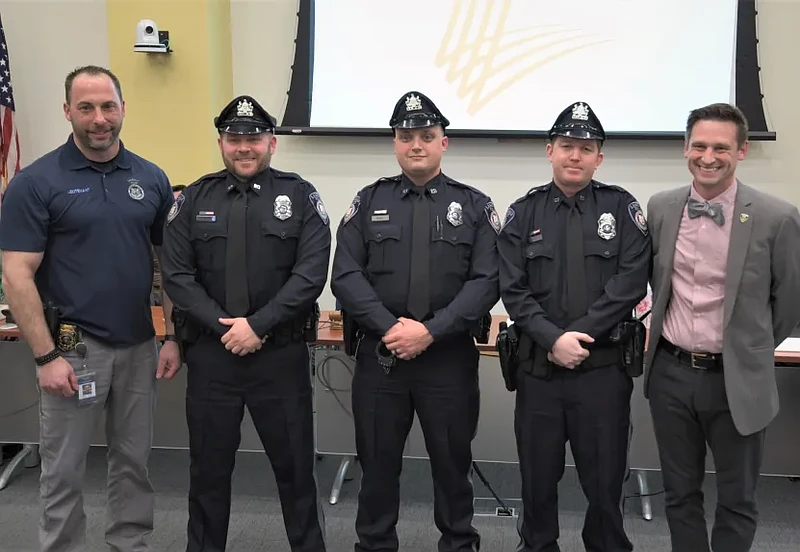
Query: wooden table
[331,337]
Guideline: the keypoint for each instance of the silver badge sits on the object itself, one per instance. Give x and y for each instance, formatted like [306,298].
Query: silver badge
[316,202]
[580,111]
[606,226]
[244,109]
[413,103]
[134,190]
[454,214]
[283,207]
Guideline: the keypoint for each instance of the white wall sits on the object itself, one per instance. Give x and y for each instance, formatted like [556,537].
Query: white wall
[46,40]
[505,170]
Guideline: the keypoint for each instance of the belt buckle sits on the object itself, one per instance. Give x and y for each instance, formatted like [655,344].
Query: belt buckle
[699,356]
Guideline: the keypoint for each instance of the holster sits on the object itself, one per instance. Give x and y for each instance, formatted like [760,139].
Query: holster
[507,345]
[187,330]
[480,332]
[349,334]
[311,325]
[51,318]
[629,336]
[532,359]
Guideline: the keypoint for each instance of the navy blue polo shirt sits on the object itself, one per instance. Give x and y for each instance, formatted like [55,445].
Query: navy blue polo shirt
[96,228]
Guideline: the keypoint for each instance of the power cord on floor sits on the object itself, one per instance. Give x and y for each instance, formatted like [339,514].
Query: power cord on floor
[323,376]
[504,510]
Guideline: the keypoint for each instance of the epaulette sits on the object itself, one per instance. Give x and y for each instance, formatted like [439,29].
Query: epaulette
[462,185]
[209,176]
[286,174]
[393,179]
[601,185]
[542,188]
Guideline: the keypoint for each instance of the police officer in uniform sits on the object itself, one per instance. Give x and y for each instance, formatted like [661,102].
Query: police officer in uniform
[574,262]
[246,256]
[415,269]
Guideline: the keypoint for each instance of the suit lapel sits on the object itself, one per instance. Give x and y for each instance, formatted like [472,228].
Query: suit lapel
[670,223]
[669,231]
[741,227]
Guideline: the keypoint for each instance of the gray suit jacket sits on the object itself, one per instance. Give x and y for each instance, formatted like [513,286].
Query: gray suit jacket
[762,294]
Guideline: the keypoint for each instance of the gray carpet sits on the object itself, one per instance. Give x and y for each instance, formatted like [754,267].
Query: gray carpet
[256,523]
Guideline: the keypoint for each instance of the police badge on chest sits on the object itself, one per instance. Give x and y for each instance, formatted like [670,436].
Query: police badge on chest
[607,226]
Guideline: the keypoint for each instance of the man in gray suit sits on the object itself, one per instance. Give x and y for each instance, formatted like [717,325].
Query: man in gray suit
[725,282]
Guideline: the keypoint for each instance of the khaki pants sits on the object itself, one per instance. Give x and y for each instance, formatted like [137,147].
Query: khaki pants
[125,381]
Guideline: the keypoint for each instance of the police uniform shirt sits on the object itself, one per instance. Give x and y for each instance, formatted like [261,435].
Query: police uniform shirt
[533,271]
[371,267]
[96,225]
[288,248]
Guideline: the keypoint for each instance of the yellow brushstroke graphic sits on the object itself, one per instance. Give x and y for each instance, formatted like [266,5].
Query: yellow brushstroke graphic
[474,63]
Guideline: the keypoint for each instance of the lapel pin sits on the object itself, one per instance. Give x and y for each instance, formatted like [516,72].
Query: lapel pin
[744,217]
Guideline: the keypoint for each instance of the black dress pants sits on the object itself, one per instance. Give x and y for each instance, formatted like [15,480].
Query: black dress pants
[591,410]
[274,384]
[441,386]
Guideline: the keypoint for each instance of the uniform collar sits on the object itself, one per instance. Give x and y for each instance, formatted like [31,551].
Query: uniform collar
[434,187]
[557,198]
[76,160]
[256,185]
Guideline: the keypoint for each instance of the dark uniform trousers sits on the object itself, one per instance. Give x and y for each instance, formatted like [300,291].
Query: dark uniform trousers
[690,408]
[275,385]
[441,385]
[590,408]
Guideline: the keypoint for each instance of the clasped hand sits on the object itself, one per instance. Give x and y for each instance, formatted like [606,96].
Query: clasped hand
[407,339]
[568,351]
[240,339]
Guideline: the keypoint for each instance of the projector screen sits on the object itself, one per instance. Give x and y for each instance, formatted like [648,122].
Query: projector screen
[508,67]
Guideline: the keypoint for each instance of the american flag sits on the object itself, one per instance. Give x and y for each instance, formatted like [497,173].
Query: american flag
[9,139]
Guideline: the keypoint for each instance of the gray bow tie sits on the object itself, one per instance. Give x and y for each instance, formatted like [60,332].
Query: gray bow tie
[711,210]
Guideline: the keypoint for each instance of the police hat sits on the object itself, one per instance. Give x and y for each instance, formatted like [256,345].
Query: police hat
[416,110]
[578,121]
[244,115]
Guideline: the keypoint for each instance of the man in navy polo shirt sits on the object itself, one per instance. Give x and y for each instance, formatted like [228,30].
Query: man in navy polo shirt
[77,232]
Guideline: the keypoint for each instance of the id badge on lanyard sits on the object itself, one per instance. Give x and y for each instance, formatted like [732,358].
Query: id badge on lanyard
[87,386]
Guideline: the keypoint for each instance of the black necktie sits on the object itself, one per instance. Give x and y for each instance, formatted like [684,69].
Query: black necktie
[576,270]
[419,294]
[237,298]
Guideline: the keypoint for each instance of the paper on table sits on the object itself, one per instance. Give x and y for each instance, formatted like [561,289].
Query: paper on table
[791,345]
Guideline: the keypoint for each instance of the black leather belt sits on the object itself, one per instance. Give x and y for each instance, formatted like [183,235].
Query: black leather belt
[698,361]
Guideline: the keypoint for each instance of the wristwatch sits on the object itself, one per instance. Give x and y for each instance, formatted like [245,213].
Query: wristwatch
[170,337]
[49,357]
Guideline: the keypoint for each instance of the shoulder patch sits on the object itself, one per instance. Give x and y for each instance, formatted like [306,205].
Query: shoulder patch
[510,214]
[319,207]
[352,210]
[637,216]
[176,208]
[494,218]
